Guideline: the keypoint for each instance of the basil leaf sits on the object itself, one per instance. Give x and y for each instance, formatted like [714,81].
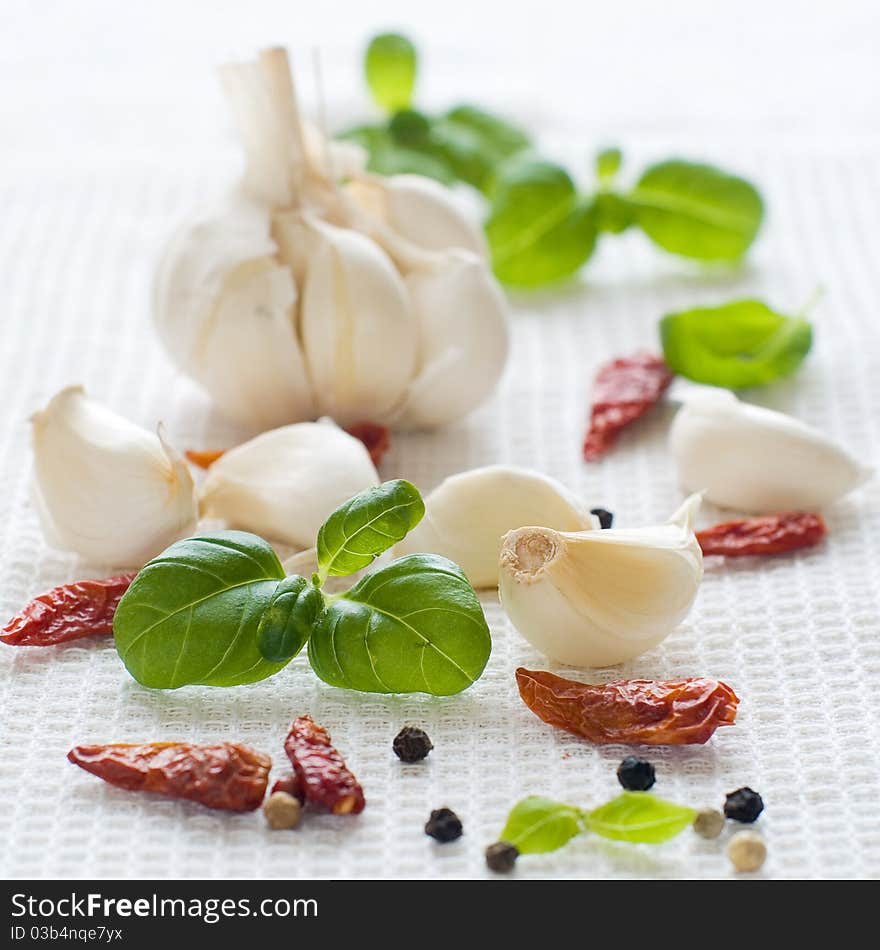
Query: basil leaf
[537,825]
[498,137]
[739,344]
[539,229]
[388,157]
[639,817]
[608,163]
[366,525]
[410,128]
[697,210]
[613,212]
[464,151]
[191,614]
[288,620]
[415,626]
[390,67]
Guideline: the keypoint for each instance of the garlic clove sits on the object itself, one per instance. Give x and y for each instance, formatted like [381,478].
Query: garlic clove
[756,460]
[225,311]
[467,515]
[284,484]
[339,159]
[105,488]
[421,210]
[596,598]
[358,330]
[464,339]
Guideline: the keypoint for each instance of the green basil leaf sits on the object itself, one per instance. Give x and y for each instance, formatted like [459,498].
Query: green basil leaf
[614,213]
[388,157]
[539,229]
[191,614]
[410,128]
[639,817]
[366,525]
[739,344]
[608,164]
[464,151]
[415,626]
[537,825]
[288,620]
[697,210]
[498,136]
[390,67]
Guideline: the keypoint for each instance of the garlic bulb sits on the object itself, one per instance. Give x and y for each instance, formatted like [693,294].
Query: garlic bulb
[283,484]
[105,488]
[756,460]
[420,210]
[595,598]
[358,330]
[289,300]
[467,515]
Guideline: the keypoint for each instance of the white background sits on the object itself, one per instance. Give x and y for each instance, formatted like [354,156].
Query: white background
[112,128]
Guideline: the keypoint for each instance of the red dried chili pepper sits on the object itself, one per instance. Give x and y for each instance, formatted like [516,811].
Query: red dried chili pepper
[773,534]
[290,784]
[68,612]
[651,712]
[623,390]
[203,459]
[323,775]
[228,776]
[376,438]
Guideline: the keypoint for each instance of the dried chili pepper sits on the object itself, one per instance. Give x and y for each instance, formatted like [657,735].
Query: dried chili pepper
[291,785]
[376,438]
[772,534]
[324,777]
[203,459]
[623,390]
[651,712]
[227,776]
[68,612]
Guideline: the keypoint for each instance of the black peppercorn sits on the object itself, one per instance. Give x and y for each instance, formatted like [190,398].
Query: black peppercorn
[743,805]
[606,518]
[635,774]
[443,825]
[501,856]
[411,744]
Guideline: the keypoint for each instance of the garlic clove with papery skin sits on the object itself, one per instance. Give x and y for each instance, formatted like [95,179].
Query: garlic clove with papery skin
[358,330]
[421,210]
[756,460]
[283,484]
[464,339]
[467,515]
[105,488]
[225,309]
[595,598]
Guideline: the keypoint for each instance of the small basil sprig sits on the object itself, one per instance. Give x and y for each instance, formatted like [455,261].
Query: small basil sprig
[390,68]
[735,345]
[539,825]
[217,610]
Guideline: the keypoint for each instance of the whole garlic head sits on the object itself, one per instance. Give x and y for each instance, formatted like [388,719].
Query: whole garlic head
[467,515]
[595,598]
[285,483]
[756,460]
[105,488]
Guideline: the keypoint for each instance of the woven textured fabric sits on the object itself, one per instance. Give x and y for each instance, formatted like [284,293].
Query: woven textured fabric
[796,637]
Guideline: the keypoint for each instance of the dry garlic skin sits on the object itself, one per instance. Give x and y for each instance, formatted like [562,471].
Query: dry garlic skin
[756,460]
[358,329]
[225,309]
[105,488]
[468,514]
[596,598]
[284,484]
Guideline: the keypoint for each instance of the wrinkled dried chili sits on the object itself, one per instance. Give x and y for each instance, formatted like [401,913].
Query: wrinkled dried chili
[323,776]
[68,612]
[623,391]
[376,438]
[772,534]
[227,775]
[651,712]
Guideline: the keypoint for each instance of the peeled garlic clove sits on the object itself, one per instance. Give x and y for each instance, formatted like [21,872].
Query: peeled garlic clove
[358,330]
[462,315]
[285,483]
[105,488]
[420,210]
[756,460]
[467,515]
[225,310]
[595,598]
